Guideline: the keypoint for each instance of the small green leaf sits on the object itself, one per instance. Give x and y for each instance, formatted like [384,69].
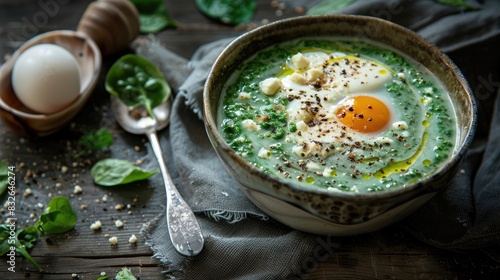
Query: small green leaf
[113,172]
[4,177]
[125,274]
[137,82]
[153,15]
[95,141]
[457,3]
[57,217]
[329,7]
[24,239]
[232,12]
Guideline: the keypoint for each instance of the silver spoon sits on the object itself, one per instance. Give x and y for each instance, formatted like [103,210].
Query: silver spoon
[184,230]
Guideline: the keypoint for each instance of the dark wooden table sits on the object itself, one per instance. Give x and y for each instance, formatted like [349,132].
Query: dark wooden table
[48,167]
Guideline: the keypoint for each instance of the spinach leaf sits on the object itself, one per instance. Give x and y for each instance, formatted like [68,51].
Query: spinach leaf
[137,82]
[94,141]
[57,217]
[457,3]
[153,15]
[125,274]
[22,240]
[4,178]
[228,11]
[329,7]
[112,172]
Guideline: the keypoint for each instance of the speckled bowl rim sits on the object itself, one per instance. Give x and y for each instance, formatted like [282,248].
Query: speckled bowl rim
[84,92]
[419,187]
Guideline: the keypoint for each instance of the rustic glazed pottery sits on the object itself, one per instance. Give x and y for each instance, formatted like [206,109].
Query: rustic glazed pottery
[318,210]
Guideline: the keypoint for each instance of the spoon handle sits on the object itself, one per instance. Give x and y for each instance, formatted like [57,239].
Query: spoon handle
[184,230]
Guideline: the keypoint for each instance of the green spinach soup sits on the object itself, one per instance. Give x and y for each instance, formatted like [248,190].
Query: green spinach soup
[338,114]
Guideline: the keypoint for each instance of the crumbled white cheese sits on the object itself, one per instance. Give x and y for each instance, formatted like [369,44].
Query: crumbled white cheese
[302,126]
[96,225]
[428,90]
[298,79]
[333,189]
[426,100]
[118,223]
[402,76]
[132,239]
[314,74]
[78,189]
[312,165]
[270,86]
[244,96]
[250,125]
[328,172]
[402,125]
[64,169]
[113,240]
[299,61]
[264,153]
[383,140]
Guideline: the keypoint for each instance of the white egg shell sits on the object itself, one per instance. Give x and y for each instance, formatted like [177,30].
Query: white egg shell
[46,78]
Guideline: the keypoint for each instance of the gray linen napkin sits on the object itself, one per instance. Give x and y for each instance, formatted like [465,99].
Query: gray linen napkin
[465,216]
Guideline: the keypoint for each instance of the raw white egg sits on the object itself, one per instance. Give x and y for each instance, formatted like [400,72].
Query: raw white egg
[46,78]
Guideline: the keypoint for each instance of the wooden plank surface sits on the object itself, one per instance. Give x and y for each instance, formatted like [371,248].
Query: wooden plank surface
[387,254]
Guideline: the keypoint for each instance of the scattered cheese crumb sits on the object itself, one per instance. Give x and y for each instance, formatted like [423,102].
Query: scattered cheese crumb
[96,225]
[270,86]
[299,61]
[298,78]
[264,153]
[103,273]
[400,125]
[314,74]
[39,205]
[113,240]
[64,169]
[78,189]
[250,125]
[132,239]
[74,275]
[118,223]
[119,207]
[27,192]
[244,96]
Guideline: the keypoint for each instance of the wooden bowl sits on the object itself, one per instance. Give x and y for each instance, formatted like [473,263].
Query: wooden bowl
[106,27]
[25,121]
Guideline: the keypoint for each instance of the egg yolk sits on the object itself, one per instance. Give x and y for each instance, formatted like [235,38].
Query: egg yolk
[364,113]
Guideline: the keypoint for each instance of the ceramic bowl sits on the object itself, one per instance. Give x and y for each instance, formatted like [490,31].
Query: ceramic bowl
[25,121]
[317,210]
[106,27]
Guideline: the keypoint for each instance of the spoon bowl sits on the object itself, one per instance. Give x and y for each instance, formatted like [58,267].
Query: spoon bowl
[184,230]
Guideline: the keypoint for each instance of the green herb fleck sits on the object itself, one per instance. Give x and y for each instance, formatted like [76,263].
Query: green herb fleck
[95,141]
[153,15]
[232,12]
[125,274]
